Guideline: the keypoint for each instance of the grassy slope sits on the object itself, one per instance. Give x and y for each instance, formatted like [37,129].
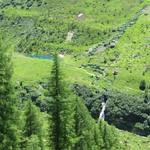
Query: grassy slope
[60,17]
[30,70]
[134,142]
[133,50]
[134,56]
[46,28]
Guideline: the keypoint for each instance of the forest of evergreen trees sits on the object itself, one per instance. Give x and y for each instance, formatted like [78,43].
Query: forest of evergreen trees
[67,124]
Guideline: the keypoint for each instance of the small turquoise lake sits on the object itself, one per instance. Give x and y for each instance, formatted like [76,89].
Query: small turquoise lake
[43,57]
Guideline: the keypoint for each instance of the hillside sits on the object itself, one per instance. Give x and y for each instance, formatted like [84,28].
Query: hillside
[131,141]
[103,47]
[42,26]
[38,27]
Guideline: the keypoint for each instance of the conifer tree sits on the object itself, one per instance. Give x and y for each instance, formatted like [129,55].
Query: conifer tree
[73,128]
[92,136]
[87,131]
[109,137]
[8,104]
[33,129]
[61,110]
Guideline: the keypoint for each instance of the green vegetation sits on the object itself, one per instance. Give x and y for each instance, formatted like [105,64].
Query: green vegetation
[33,128]
[61,121]
[43,28]
[103,47]
[130,58]
[134,142]
[110,107]
[98,72]
[8,102]
[30,70]
[61,109]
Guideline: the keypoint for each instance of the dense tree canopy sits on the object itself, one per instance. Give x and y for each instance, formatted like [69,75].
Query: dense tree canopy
[8,103]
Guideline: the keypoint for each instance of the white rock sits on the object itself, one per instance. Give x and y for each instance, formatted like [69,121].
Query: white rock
[61,55]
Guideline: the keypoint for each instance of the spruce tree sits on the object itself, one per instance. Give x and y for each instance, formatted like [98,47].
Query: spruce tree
[92,136]
[8,103]
[73,128]
[87,131]
[33,129]
[61,110]
[109,137]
